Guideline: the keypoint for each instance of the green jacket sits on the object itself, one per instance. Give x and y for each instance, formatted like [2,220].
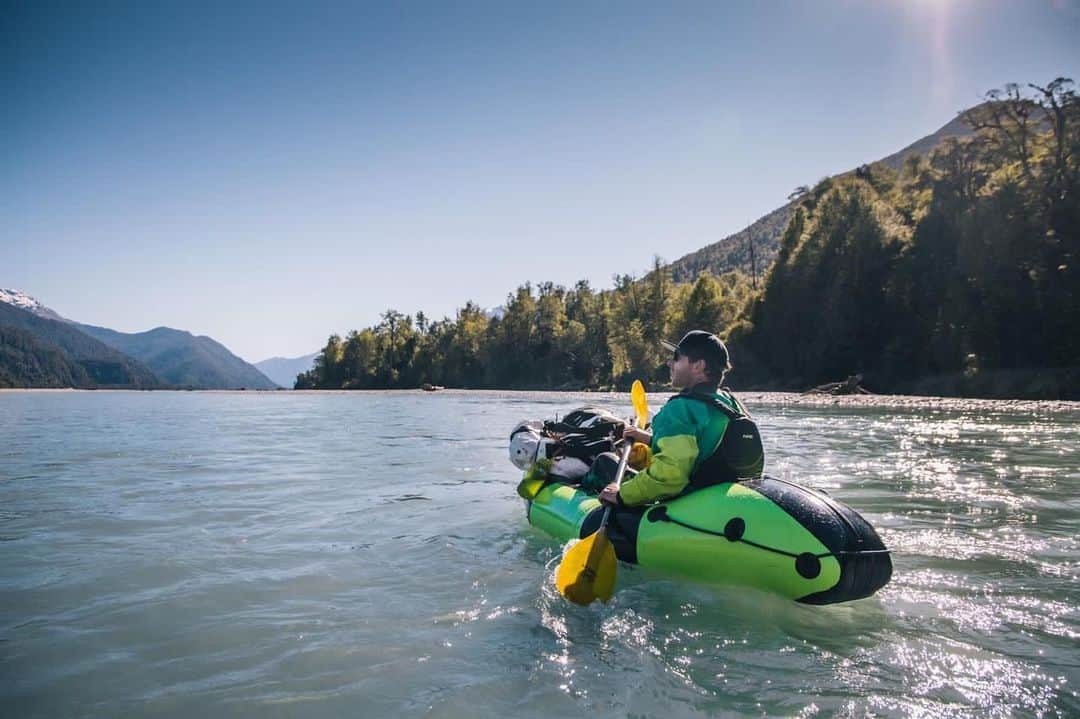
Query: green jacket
[685,433]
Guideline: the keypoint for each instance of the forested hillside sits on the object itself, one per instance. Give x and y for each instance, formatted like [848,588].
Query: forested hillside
[961,264]
[27,362]
[40,348]
[753,249]
[750,251]
[183,359]
[40,352]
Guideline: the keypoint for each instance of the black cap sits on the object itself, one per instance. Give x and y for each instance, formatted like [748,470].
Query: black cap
[698,345]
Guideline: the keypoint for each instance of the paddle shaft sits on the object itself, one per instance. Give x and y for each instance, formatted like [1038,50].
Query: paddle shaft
[597,548]
[587,572]
[628,444]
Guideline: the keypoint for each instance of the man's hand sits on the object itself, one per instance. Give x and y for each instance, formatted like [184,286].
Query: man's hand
[637,435]
[610,495]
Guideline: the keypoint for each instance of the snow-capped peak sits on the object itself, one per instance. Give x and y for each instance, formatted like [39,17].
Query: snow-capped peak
[25,302]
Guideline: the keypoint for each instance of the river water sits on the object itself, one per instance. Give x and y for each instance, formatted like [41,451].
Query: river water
[174,554]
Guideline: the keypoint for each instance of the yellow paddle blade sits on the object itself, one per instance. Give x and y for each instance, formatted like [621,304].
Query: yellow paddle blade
[587,572]
[641,404]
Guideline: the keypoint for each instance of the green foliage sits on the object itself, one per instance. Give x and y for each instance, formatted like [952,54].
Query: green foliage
[825,308]
[545,337]
[962,262]
[26,361]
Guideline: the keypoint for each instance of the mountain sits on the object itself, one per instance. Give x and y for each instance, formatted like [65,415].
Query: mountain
[733,252]
[175,356]
[24,301]
[39,352]
[283,370]
[26,361]
[184,360]
[954,128]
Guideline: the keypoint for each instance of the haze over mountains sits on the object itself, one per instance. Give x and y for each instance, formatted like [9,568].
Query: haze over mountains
[183,359]
[283,370]
[40,348]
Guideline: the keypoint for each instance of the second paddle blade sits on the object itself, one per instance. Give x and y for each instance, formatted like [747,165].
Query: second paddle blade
[641,403]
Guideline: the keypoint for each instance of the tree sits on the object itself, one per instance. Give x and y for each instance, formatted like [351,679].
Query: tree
[465,360]
[703,306]
[394,324]
[550,325]
[1006,114]
[327,372]
[798,193]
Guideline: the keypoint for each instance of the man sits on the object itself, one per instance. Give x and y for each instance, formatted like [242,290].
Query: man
[690,442]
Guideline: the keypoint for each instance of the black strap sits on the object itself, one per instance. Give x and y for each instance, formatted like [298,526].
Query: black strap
[731,412]
[718,467]
[733,532]
[563,428]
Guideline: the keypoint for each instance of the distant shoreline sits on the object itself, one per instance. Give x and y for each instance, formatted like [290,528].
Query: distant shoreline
[751,397]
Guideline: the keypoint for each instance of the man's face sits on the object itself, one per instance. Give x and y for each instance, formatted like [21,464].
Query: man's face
[684,373]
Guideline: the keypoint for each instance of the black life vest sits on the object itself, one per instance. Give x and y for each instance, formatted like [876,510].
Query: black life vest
[740,454]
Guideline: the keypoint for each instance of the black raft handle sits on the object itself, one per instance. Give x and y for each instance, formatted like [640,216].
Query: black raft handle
[807,564]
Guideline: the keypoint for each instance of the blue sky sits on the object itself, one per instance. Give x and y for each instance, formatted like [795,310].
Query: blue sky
[270,173]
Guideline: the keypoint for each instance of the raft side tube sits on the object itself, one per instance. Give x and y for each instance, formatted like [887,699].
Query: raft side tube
[729,533]
[865,564]
[560,510]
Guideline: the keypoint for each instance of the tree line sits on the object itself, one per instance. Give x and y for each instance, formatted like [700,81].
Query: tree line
[961,261]
[545,336]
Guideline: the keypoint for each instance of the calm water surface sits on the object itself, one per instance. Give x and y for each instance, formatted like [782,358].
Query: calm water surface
[364,554]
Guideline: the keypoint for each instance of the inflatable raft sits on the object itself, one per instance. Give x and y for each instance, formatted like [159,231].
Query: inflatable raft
[765,533]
